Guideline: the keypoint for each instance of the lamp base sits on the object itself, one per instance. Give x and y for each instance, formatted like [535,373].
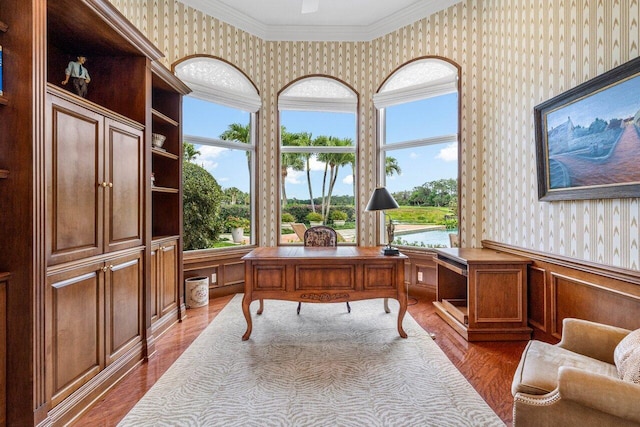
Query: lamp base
[390,251]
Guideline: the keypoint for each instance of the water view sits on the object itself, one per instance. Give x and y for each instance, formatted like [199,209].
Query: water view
[434,238]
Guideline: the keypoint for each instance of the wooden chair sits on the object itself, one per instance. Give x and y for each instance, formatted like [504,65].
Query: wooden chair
[454,240]
[300,229]
[320,236]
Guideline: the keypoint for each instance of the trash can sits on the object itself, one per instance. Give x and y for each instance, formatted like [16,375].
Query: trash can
[197,289]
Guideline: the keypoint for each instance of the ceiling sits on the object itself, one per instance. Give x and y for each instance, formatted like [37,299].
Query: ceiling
[326,20]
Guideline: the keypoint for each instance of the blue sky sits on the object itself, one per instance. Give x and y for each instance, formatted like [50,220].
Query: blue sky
[421,119]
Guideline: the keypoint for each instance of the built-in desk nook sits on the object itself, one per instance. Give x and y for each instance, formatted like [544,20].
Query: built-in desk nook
[482,293]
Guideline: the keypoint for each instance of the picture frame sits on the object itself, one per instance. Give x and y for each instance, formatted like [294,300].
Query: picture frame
[588,138]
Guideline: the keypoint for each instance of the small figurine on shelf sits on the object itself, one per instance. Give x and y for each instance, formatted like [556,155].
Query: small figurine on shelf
[153,179]
[79,76]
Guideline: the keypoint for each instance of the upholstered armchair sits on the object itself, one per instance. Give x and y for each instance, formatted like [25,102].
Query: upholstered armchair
[590,378]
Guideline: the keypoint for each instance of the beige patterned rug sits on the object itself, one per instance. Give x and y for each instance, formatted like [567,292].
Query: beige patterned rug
[324,367]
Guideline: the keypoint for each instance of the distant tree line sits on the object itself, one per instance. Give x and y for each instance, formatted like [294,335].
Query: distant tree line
[441,193]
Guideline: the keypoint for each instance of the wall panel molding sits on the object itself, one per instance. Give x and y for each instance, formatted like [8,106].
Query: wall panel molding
[561,287]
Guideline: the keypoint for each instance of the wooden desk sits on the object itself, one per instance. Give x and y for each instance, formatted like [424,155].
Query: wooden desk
[482,293]
[312,274]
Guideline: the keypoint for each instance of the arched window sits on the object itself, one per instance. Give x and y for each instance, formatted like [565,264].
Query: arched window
[318,139]
[219,134]
[418,113]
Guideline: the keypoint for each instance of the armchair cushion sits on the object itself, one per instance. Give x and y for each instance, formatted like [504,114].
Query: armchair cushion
[627,357]
[537,372]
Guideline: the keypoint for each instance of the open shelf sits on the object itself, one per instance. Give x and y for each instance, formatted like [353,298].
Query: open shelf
[158,115]
[164,153]
[164,190]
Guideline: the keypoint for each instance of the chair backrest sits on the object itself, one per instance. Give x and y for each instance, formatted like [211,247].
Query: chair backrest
[320,235]
[454,240]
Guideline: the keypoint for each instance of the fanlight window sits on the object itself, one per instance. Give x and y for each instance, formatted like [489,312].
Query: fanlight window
[219,119]
[216,81]
[318,94]
[318,157]
[418,110]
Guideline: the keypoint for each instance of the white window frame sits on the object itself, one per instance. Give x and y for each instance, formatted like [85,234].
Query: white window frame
[413,82]
[319,94]
[216,81]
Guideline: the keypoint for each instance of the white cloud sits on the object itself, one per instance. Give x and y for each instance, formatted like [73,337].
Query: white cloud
[295,177]
[348,179]
[207,157]
[449,153]
[414,155]
[315,165]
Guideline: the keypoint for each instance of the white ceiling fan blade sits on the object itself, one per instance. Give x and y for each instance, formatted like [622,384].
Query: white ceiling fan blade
[310,6]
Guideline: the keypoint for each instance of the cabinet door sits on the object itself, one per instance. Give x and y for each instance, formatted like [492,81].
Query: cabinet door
[124,309]
[74,172]
[74,335]
[124,172]
[169,276]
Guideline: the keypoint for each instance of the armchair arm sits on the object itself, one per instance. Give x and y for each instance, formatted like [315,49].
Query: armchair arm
[591,339]
[605,394]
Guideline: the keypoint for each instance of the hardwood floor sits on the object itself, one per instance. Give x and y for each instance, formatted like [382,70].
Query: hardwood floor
[488,367]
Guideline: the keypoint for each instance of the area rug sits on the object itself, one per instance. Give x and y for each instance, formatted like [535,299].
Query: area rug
[324,367]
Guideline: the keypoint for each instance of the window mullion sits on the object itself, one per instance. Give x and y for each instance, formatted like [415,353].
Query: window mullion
[443,139]
[215,142]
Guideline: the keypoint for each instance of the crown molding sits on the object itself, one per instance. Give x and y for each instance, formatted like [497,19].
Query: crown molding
[407,16]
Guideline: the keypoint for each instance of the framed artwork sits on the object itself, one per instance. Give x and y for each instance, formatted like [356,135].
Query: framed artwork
[588,138]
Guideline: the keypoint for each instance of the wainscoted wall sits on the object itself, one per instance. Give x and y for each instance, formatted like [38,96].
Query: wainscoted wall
[514,54]
[561,287]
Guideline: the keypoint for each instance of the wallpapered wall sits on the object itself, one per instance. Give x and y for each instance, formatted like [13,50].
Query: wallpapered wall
[514,54]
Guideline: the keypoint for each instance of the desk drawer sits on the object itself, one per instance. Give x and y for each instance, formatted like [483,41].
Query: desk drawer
[325,277]
[269,278]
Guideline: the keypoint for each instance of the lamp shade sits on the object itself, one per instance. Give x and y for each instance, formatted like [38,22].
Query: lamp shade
[381,200]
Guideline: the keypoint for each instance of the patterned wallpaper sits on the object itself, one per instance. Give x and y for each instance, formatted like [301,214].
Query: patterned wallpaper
[514,54]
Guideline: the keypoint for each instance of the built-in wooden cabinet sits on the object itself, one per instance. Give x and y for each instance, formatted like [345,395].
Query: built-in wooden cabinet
[95,317]
[84,216]
[482,293]
[165,292]
[95,164]
[167,289]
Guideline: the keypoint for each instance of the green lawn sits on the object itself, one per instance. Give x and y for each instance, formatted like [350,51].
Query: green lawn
[419,214]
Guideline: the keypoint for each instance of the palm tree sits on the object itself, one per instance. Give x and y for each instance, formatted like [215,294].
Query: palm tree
[292,161]
[305,141]
[189,152]
[391,166]
[333,162]
[241,133]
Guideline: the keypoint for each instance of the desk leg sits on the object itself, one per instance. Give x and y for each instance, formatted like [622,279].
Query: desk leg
[401,313]
[403,299]
[246,302]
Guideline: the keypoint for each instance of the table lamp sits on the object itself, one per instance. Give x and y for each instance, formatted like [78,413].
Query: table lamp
[381,200]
